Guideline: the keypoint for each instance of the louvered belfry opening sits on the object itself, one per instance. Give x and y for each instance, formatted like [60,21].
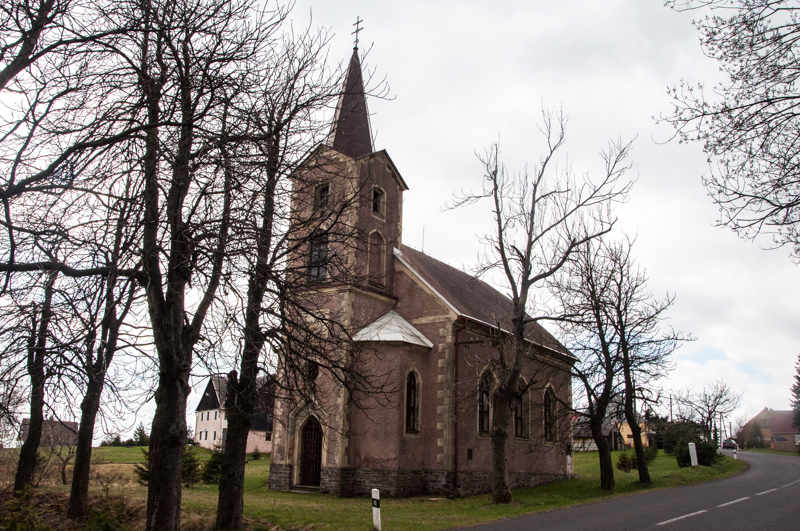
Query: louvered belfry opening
[311,456]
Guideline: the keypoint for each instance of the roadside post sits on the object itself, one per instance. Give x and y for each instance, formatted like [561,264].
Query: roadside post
[692,454]
[376,509]
[734,454]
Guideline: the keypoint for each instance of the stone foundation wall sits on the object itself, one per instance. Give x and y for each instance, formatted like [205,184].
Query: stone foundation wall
[346,482]
[280,476]
[337,481]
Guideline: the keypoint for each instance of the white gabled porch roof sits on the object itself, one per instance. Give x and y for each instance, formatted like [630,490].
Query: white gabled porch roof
[392,328]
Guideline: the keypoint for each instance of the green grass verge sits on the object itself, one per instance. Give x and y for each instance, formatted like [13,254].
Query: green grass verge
[426,513]
[423,513]
[766,451]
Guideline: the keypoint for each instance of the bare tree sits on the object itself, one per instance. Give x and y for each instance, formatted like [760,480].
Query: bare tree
[584,288]
[748,125]
[63,96]
[644,350]
[38,334]
[540,220]
[282,123]
[709,405]
[105,310]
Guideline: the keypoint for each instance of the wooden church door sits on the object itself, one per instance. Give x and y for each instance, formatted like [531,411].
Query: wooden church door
[311,456]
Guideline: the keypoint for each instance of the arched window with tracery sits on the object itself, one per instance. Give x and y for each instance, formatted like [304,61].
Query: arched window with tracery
[412,404]
[550,404]
[484,404]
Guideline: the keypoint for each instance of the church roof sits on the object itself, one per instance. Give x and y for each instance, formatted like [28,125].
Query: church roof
[350,132]
[392,328]
[470,297]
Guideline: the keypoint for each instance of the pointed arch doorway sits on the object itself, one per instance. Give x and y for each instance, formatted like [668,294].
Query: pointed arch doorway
[311,452]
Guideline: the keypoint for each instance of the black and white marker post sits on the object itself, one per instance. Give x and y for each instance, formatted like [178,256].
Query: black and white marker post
[376,509]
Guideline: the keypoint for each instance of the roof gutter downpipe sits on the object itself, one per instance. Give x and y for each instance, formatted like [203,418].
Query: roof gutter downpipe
[456,483]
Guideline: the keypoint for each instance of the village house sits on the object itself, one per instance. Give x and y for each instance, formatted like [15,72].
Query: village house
[433,328]
[54,432]
[777,429]
[210,422]
[583,441]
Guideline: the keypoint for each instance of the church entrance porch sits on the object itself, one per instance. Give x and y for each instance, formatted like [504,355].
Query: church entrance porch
[311,453]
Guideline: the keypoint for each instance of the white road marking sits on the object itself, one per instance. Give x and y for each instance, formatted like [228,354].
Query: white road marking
[790,484]
[734,501]
[681,517]
[766,492]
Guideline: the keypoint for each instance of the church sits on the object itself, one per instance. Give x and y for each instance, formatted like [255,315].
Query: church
[431,326]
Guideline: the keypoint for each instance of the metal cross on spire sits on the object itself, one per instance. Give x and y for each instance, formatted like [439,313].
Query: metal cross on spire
[358,28]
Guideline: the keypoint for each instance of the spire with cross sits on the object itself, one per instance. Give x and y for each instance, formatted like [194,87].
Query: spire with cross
[356,31]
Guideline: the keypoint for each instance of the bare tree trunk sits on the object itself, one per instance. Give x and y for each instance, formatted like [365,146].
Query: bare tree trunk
[37,350]
[239,408]
[633,422]
[604,453]
[79,493]
[241,398]
[239,405]
[167,441]
[501,493]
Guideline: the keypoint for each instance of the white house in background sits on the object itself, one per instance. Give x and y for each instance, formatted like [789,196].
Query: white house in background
[211,425]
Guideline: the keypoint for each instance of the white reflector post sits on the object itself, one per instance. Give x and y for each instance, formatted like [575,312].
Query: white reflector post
[376,509]
[693,454]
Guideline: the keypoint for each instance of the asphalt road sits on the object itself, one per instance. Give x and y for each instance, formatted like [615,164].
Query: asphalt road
[764,497]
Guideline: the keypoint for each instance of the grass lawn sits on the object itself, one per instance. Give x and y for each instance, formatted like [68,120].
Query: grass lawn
[130,455]
[112,473]
[318,511]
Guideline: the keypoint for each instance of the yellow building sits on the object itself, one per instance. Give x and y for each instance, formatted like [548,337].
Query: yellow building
[627,436]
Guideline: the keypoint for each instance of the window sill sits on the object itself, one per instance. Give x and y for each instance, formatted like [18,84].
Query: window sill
[411,434]
[378,216]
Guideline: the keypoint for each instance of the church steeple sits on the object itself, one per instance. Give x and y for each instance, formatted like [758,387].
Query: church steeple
[350,132]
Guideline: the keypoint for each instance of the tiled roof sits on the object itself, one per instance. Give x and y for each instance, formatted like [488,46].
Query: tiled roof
[472,298]
[782,421]
[392,328]
[219,382]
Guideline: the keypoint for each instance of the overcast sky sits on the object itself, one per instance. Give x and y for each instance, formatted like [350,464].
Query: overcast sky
[465,73]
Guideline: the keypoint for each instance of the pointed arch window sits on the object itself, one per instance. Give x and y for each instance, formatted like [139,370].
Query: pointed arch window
[484,405]
[378,202]
[318,256]
[322,196]
[550,404]
[377,259]
[412,403]
[522,409]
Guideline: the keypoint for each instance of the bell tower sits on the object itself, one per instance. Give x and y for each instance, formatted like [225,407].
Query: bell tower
[347,169]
